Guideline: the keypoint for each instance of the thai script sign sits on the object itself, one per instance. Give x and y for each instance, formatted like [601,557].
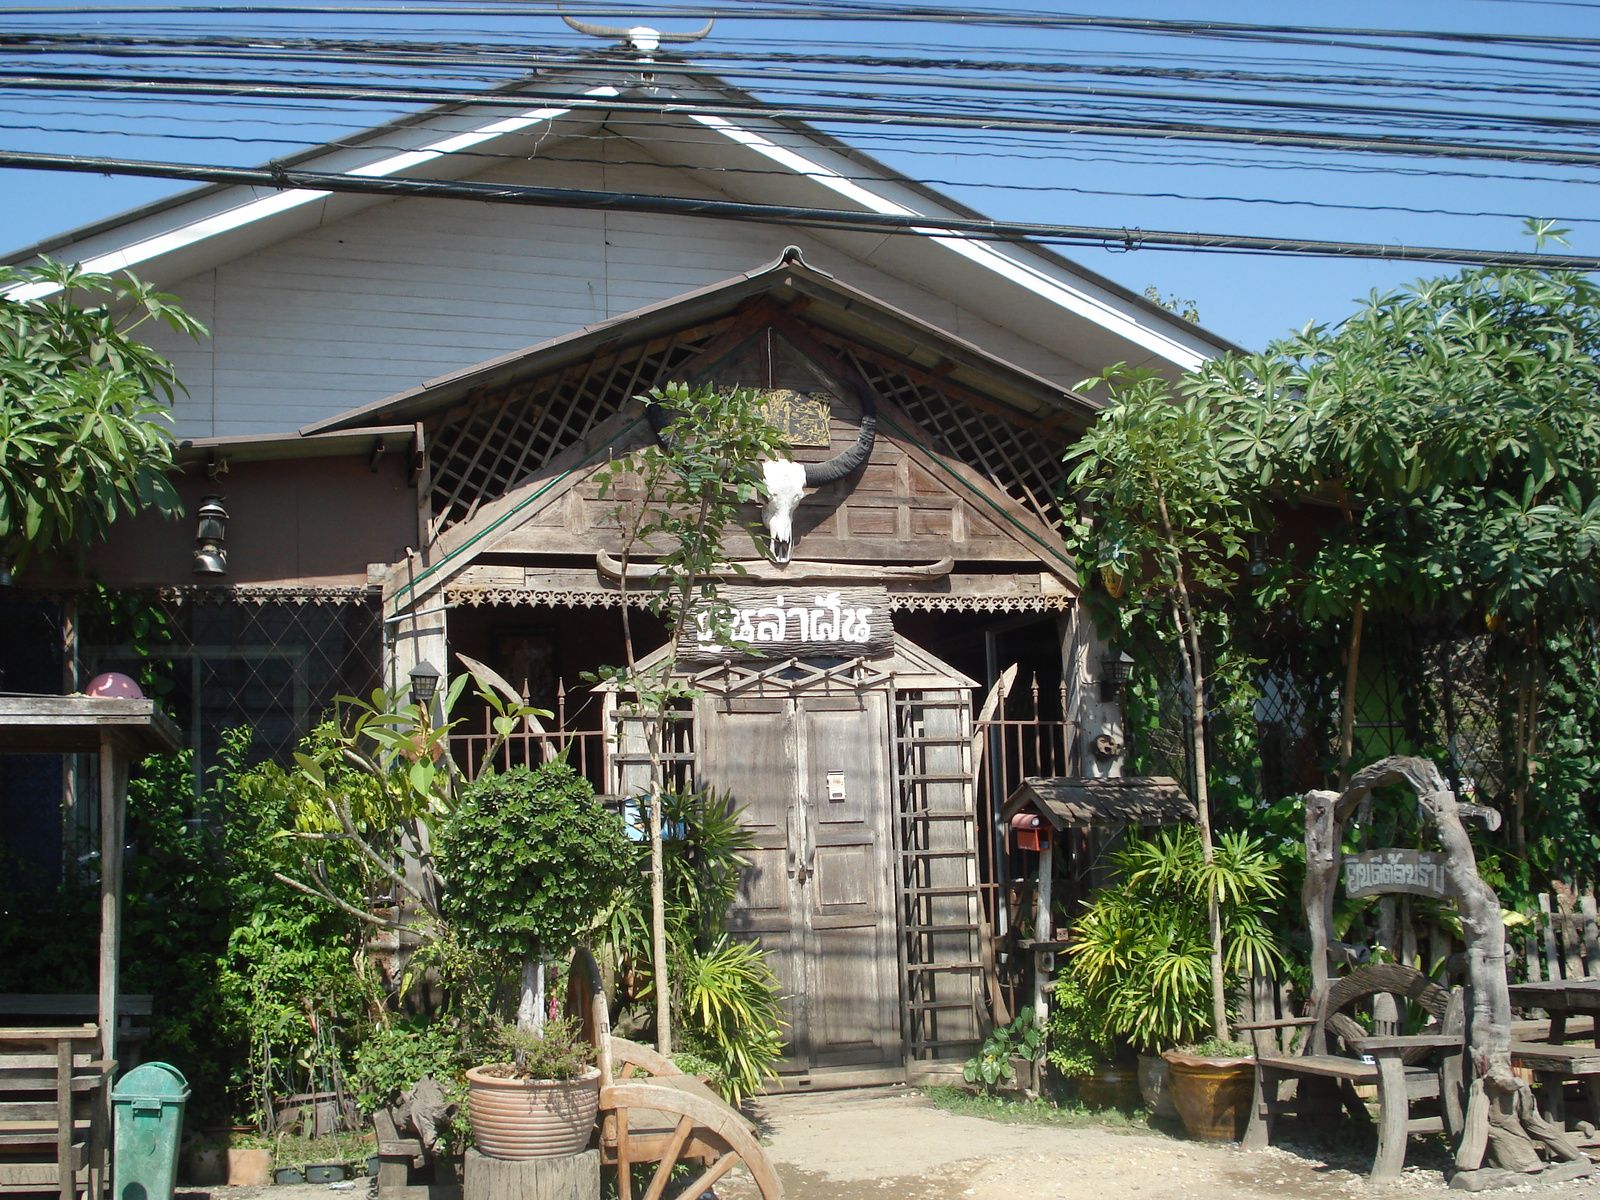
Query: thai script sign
[793,622]
[1415,872]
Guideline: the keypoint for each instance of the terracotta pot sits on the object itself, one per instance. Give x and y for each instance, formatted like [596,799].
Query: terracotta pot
[532,1118]
[1109,1087]
[1155,1085]
[1212,1094]
[249,1168]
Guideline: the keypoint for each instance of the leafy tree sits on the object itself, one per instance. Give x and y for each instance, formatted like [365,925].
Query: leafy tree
[677,500]
[83,406]
[1453,425]
[530,861]
[1161,519]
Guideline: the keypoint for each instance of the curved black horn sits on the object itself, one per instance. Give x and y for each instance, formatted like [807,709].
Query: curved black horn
[856,457]
[689,37]
[657,416]
[594,30]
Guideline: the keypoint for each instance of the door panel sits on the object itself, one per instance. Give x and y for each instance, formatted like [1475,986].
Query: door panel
[813,774]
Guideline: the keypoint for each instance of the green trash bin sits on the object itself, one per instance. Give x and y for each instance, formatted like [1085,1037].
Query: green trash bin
[147,1107]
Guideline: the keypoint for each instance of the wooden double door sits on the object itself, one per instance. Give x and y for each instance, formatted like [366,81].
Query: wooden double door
[815,777]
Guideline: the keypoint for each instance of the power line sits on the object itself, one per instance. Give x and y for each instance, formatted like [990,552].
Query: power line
[834,114]
[778,173]
[286,178]
[236,50]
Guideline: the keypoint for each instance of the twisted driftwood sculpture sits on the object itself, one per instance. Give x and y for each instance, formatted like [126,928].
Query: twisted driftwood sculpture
[1500,1109]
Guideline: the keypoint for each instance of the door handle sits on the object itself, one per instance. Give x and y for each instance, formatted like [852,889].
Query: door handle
[805,872]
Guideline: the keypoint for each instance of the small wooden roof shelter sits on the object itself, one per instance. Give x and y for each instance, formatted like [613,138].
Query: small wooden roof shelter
[1083,803]
[118,731]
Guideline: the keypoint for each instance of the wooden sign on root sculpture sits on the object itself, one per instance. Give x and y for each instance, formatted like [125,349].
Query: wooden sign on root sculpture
[558,1177]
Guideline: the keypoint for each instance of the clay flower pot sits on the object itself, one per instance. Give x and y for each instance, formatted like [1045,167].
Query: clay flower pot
[249,1168]
[1108,1086]
[532,1118]
[1212,1094]
[1155,1085]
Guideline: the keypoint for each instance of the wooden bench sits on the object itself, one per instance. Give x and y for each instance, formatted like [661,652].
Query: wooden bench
[53,1133]
[1396,1065]
[50,1010]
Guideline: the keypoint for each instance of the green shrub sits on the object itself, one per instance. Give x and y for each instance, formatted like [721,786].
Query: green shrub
[395,1056]
[530,860]
[990,1067]
[559,1051]
[729,1014]
[1142,948]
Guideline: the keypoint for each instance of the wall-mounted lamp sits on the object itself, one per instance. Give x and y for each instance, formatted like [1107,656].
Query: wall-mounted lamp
[424,683]
[1114,672]
[1258,554]
[209,556]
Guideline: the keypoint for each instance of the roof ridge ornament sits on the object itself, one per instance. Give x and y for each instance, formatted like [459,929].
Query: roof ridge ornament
[641,38]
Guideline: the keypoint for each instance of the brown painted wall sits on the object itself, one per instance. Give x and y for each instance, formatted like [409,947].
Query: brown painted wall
[316,521]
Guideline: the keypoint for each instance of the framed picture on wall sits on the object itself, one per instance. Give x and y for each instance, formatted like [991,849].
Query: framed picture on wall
[525,655]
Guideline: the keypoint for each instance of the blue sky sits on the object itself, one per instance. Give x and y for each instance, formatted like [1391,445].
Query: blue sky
[1138,185]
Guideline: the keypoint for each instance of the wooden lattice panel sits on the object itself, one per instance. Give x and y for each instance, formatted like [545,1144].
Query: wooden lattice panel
[484,448]
[1025,462]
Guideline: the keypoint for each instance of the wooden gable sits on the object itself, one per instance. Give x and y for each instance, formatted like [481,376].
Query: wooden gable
[1004,466]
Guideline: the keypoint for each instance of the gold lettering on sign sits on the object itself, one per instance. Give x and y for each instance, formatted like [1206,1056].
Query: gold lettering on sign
[803,418]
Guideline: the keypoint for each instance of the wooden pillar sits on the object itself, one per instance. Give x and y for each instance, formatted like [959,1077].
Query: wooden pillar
[1042,931]
[113,807]
[1082,649]
[562,1177]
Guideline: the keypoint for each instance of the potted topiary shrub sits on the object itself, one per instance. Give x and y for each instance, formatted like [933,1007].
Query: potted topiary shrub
[1142,950]
[528,860]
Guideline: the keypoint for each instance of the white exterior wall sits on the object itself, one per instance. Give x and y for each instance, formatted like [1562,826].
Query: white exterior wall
[395,295]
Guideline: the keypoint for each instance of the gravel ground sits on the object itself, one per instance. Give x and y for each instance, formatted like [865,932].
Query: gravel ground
[878,1143]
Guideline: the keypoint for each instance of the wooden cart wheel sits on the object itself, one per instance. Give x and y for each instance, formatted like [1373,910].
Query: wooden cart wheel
[706,1129]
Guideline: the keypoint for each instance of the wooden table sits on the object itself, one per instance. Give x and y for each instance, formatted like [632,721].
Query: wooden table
[1561,998]
[1552,1062]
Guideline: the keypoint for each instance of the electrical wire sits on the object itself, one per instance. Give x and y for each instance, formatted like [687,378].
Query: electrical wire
[287,178]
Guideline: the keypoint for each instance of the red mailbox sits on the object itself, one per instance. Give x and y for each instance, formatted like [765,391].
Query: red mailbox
[1031,830]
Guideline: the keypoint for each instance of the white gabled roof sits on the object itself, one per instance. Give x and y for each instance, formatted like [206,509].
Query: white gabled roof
[1041,295]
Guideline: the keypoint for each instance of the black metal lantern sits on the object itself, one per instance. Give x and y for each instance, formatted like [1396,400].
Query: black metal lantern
[424,683]
[1114,672]
[209,556]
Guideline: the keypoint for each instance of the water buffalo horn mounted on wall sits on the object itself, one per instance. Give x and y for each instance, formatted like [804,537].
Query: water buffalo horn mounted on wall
[609,31]
[817,474]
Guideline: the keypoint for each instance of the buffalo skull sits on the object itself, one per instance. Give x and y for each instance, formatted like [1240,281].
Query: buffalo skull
[786,481]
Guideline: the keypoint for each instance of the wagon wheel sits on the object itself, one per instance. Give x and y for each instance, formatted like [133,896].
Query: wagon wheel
[706,1129]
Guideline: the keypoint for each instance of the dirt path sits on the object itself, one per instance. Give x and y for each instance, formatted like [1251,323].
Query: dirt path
[893,1142]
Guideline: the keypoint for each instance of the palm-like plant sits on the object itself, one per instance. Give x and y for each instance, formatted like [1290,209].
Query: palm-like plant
[1142,948]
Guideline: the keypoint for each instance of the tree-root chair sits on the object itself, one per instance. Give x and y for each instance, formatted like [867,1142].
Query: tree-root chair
[662,1116]
[1405,1068]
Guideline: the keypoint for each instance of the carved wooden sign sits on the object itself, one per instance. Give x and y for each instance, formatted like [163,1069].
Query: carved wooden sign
[777,622]
[1414,872]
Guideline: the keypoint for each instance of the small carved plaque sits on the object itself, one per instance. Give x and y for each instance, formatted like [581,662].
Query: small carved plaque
[793,621]
[803,418]
[1414,872]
